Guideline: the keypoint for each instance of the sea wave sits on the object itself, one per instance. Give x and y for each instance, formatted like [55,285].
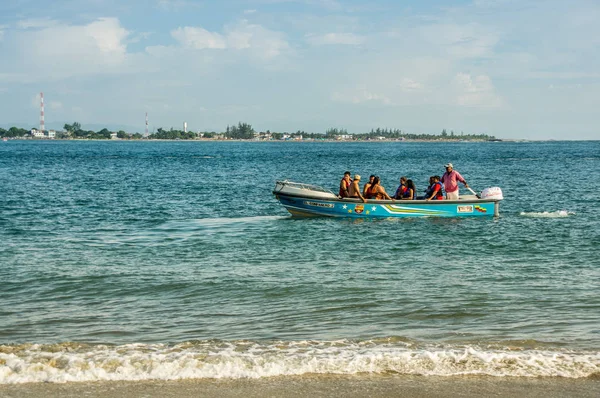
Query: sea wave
[73,362]
[546,214]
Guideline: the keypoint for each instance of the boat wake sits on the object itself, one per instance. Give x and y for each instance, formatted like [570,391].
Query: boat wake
[212,359]
[546,214]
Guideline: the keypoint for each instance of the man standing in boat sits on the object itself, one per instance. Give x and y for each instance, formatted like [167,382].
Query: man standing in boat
[450,180]
[345,185]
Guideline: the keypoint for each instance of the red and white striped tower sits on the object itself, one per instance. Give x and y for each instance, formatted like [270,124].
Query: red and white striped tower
[146,135]
[42,112]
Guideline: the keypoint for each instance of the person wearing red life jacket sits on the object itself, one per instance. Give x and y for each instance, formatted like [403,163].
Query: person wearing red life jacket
[401,189]
[345,185]
[367,187]
[436,190]
[411,191]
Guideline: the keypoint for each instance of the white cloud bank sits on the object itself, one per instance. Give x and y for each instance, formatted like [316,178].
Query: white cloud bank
[264,42]
[57,51]
[477,92]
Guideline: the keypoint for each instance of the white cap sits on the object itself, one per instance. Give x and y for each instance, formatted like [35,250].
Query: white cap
[448,165]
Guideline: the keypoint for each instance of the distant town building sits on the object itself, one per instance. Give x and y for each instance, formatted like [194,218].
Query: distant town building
[37,133]
[113,136]
[51,134]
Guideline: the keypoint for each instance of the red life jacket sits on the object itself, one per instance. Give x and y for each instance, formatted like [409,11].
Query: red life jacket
[344,193]
[439,194]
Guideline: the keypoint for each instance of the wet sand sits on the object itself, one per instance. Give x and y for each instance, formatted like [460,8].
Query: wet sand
[319,386]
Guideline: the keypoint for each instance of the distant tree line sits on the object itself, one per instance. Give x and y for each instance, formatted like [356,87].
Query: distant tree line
[13,132]
[244,131]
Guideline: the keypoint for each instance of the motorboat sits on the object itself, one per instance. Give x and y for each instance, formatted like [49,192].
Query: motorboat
[307,200]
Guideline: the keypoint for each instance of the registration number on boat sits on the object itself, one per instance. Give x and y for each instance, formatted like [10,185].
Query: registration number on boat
[464,209]
[317,204]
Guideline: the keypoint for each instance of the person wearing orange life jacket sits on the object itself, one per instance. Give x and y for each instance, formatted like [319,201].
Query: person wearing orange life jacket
[345,185]
[377,191]
[436,190]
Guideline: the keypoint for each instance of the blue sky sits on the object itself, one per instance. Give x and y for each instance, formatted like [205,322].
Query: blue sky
[514,69]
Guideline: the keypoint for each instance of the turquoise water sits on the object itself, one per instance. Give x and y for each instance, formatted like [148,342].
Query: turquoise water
[145,260]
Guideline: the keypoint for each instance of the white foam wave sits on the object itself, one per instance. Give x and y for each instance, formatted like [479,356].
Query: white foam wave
[71,362]
[546,214]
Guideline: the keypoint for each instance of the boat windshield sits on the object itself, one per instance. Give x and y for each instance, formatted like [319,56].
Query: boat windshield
[299,185]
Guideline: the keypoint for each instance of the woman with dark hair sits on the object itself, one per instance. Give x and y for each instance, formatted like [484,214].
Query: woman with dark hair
[377,191]
[401,188]
[410,192]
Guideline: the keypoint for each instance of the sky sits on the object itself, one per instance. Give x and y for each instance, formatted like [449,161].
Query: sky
[514,69]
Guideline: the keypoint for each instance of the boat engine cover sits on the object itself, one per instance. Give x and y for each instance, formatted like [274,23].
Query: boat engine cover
[492,193]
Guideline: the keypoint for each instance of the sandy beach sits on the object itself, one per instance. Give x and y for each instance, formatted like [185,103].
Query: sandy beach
[320,386]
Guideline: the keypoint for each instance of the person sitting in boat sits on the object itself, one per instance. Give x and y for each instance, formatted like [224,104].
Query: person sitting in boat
[354,190]
[428,190]
[367,186]
[410,193]
[436,190]
[345,185]
[377,191]
[401,189]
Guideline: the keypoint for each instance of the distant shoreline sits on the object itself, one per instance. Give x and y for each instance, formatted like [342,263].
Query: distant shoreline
[263,141]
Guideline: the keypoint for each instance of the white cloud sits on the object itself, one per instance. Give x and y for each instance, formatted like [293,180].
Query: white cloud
[249,11]
[335,38]
[102,40]
[199,38]
[408,85]
[60,51]
[108,36]
[476,91]
[263,42]
[359,95]
[36,23]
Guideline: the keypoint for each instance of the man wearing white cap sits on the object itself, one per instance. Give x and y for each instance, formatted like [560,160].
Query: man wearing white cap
[449,179]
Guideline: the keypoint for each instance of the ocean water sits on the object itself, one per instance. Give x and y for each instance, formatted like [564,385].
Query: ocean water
[173,260]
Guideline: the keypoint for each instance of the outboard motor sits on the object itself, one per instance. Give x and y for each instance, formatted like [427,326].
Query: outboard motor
[492,193]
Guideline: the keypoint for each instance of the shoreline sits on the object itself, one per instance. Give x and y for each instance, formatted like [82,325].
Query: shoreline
[282,141]
[318,385]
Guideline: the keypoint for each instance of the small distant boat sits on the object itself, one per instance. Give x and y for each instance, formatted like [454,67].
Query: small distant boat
[306,200]
[4,139]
